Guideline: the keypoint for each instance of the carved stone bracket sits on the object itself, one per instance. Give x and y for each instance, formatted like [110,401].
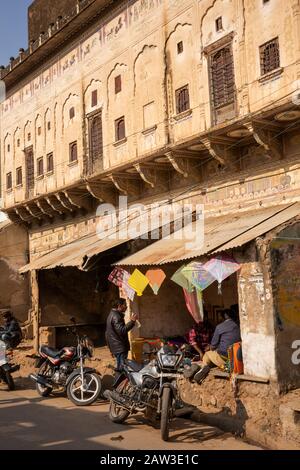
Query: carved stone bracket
[147,175]
[15,218]
[266,138]
[64,201]
[178,163]
[45,208]
[101,192]
[125,185]
[34,211]
[217,151]
[55,204]
[23,214]
[78,200]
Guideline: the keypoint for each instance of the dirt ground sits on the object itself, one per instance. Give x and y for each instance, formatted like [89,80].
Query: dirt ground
[253,410]
[30,422]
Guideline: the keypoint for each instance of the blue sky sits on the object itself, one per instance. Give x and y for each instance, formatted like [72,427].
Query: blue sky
[13,28]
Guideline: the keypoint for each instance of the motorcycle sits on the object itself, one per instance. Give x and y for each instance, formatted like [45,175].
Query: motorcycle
[151,389]
[58,370]
[6,367]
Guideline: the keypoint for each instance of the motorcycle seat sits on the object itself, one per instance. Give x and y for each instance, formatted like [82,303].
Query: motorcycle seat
[51,352]
[134,366]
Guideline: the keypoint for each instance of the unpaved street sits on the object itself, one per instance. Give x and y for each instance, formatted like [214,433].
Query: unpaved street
[28,421]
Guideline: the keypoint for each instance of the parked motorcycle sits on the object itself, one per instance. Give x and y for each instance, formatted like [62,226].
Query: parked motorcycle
[58,370]
[6,367]
[151,389]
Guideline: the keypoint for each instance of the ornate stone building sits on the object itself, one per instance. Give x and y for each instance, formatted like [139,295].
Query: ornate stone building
[159,100]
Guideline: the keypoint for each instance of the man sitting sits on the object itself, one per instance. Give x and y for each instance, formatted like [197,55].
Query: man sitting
[11,332]
[226,334]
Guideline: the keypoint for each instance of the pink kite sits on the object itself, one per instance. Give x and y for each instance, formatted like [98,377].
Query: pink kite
[221,267]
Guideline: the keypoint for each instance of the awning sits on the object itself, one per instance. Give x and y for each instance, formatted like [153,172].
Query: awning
[220,233]
[78,253]
[72,255]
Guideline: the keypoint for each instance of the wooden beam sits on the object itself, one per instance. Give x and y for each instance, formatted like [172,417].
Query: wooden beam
[248,378]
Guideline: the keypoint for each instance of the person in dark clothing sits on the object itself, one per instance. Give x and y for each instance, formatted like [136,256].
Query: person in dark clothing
[117,332]
[11,332]
[226,334]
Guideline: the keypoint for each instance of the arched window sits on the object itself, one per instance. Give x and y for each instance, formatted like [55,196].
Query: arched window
[94,98]
[72,112]
[182,99]
[73,152]
[120,129]
[9,180]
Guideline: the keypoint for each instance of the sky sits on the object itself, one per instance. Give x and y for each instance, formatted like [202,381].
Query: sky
[13,28]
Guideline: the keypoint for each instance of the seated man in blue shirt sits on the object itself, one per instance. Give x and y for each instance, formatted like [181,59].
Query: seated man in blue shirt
[226,334]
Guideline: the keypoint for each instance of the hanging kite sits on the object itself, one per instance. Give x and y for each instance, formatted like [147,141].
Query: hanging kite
[119,277]
[156,278]
[221,267]
[182,281]
[198,276]
[138,282]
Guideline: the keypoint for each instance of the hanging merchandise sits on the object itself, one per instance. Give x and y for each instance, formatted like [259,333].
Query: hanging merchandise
[119,277]
[194,304]
[138,282]
[198,276]
[156,278]
[116,277]
[182,281]
[221,267]
[130,293]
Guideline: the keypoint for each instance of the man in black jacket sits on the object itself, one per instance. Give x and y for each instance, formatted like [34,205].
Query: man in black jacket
[117,332]
[11,332]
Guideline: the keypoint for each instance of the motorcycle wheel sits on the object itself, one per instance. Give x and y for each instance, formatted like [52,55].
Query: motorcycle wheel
[81,397]
[41,389]
[9,381]
[117,414]
[165,414]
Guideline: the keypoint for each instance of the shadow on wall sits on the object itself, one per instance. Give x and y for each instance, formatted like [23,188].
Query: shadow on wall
[14,291]
[69,292]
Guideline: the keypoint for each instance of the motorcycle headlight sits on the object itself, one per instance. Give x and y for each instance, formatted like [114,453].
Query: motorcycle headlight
[168,361]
